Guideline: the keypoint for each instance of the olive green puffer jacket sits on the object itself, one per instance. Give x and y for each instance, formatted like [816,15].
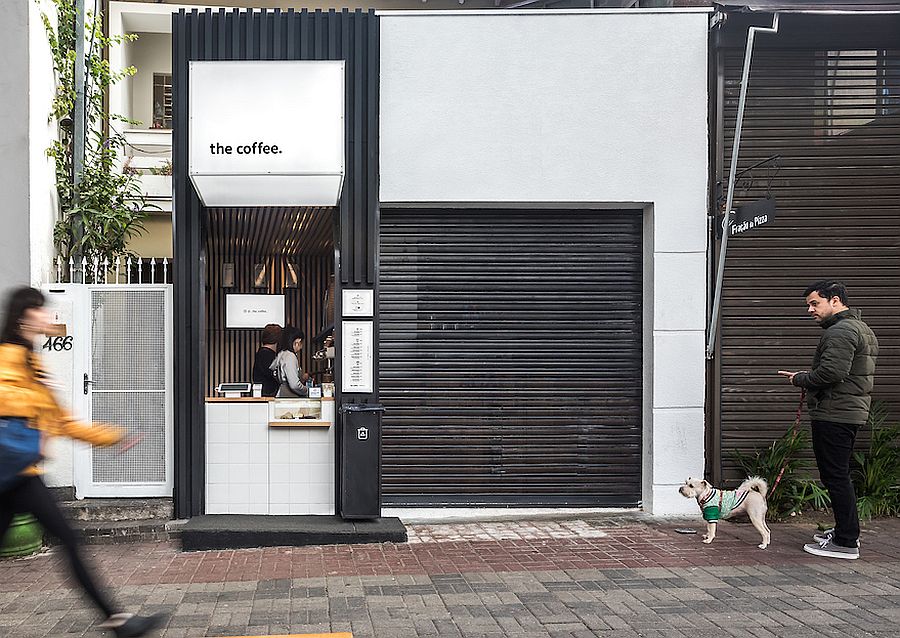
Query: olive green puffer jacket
[839,386]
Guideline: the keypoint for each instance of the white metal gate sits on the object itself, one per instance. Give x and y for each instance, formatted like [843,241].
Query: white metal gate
[126,380]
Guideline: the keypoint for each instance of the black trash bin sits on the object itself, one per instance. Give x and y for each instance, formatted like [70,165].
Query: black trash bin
[361,460]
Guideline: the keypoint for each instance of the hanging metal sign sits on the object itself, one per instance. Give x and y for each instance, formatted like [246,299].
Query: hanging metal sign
[754,214]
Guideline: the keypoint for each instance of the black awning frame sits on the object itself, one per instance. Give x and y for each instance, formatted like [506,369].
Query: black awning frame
[856,7]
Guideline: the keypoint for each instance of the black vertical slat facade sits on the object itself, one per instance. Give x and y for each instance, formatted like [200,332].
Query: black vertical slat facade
[824,94]
[264,35]
[510,358]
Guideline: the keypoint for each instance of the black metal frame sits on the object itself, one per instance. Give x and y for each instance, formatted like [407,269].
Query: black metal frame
[266,35]
[713,438]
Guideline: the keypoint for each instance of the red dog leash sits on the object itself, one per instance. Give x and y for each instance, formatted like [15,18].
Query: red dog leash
[793,438]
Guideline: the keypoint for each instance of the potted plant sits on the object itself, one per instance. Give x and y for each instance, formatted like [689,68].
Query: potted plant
[25,537]
[158,182]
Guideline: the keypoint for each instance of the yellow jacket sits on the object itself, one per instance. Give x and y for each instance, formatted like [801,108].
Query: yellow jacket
[23,394]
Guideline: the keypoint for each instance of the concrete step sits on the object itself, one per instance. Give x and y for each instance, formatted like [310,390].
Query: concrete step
[121,520]
[118,509]
[227,531]
[136,531]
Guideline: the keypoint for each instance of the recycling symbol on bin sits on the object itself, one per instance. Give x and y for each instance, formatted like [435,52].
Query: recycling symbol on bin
[362,434]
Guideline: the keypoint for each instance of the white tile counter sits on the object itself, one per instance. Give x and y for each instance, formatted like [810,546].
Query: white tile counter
[252,468]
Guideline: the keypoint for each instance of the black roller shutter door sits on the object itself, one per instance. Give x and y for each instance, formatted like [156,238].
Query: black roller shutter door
[510,356]
[834,118]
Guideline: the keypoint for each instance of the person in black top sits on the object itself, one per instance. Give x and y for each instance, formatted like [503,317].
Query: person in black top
[262,363]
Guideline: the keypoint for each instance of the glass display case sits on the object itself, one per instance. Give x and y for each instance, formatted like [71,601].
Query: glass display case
[296,412]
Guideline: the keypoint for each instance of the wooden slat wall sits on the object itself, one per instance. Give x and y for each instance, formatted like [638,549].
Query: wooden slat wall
[834,117]
[275,237]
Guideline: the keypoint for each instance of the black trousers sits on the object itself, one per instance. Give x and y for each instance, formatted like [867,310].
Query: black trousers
[30,495]
[833,447]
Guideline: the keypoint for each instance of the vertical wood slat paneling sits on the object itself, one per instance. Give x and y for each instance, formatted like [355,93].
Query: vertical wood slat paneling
[834,118]
[239,35]
[272,234]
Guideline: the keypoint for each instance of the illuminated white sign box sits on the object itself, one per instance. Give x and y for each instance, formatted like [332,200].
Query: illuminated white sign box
[267,133]
[253,311]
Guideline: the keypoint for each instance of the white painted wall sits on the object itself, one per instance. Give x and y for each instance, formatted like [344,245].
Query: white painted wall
[43,205]
[150,53]
[123,90]
[64,369]
[42,131]
[604,108]
[14,176]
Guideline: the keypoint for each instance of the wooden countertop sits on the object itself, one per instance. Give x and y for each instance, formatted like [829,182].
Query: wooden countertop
[300,423]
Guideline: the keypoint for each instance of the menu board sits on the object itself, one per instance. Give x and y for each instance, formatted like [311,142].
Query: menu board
[357,360]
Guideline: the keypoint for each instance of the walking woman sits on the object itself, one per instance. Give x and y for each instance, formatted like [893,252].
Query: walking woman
[25,395]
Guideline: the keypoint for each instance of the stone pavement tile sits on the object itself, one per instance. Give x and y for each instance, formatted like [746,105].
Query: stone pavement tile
[774,597]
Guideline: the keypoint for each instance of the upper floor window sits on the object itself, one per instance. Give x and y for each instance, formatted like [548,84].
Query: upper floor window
[162,100]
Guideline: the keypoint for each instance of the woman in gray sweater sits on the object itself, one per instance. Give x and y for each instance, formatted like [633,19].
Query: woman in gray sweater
[286,367]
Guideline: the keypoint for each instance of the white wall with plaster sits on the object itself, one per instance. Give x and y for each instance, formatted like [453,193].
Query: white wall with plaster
[150,54]
[587,108]
[42,131]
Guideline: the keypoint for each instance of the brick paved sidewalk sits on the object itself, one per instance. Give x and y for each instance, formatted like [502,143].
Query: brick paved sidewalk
[616,577]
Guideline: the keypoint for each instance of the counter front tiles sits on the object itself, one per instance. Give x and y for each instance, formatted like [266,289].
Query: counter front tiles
[253,467]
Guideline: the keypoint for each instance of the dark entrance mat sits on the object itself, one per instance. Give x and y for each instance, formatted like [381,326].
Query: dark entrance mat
[230,531]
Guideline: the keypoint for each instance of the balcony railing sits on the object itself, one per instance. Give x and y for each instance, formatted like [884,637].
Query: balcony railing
[149,156]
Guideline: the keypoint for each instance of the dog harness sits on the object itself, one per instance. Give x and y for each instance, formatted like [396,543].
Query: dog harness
[718,504]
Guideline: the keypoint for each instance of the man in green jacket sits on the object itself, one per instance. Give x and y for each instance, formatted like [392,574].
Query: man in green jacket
[839,394]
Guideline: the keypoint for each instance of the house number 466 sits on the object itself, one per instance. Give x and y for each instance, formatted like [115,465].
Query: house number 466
[58,344]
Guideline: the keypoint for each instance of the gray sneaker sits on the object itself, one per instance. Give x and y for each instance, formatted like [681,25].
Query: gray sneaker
[830,550]
[827,535]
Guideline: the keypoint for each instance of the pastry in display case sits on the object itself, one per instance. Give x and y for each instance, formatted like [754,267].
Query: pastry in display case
[286,412]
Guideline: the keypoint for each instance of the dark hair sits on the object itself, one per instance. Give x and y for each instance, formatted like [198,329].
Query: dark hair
[19,300]
[289,336]
[271,334]
[828,288]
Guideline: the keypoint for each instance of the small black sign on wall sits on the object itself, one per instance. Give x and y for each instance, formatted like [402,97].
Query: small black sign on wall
[756,213]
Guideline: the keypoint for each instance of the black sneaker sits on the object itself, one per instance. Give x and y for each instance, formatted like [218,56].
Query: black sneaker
[827,535]
[830,550]
[139,625]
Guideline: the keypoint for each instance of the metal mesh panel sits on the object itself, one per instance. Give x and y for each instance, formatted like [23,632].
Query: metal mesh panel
[128,340]
[128,347]
[144,415]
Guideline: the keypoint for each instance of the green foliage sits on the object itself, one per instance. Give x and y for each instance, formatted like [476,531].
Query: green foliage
[796,491]
[876,472]
[109,205]
[165,169]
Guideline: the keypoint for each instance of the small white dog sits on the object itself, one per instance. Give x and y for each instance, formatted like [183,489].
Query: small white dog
[718,504]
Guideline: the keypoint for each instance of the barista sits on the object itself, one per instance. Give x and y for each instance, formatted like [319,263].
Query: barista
[265,356]
[286,366]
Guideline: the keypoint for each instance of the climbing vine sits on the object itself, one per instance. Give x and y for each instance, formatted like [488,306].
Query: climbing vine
[109,205]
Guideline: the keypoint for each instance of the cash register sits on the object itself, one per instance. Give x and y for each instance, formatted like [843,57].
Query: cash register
[234,390]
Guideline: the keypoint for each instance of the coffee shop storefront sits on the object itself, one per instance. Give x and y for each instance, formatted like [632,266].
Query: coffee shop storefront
[482,225]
